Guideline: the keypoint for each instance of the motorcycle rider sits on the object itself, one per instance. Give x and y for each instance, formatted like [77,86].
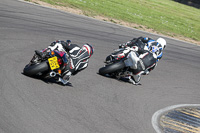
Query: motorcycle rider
[77,60]
[146,43]
[149,53]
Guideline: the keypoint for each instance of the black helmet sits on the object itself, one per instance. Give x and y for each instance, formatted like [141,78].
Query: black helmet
[68,42]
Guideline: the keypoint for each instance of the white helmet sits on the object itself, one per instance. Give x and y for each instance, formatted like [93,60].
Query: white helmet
[162,42]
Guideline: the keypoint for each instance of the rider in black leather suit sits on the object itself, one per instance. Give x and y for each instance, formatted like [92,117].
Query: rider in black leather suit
[77,60]
[149,53]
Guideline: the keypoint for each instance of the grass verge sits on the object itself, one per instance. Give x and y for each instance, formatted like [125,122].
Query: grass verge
[157,16]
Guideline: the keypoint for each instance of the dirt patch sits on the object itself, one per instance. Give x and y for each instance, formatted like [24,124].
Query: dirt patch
[67,9]
[127,24]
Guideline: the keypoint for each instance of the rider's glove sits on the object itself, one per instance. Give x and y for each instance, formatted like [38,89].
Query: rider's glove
[123,45]
[52,44]
[68,42]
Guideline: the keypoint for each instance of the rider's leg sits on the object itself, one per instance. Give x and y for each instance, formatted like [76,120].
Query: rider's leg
[64,79]
[135,79]
[132,60]
[66,73]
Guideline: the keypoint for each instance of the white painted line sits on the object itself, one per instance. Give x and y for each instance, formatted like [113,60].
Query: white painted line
[157,114]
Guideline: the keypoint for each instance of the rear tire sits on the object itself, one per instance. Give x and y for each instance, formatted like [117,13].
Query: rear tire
[33,70]
[111,68]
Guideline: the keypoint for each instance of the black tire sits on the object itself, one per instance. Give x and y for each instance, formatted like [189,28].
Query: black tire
[111,68]
[33,70]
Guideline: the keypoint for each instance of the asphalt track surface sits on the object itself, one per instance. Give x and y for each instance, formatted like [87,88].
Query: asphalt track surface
[95,104]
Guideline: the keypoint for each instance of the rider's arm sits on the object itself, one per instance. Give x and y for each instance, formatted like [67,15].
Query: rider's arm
[145,39]
[53,46]
[159,53]
[134,42]
[62,45]
[128,44]
[140,42]
[71,46]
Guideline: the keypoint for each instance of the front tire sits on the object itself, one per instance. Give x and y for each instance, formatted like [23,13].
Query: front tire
[111,68]
[33,70]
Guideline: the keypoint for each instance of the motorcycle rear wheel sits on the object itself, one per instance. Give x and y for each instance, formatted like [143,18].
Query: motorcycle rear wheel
[33,70]
[111,68]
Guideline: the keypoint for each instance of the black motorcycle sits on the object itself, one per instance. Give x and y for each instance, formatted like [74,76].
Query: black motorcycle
[121,63]
[48,66]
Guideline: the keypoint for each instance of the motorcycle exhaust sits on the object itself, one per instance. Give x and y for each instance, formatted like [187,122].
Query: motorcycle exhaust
[52,74]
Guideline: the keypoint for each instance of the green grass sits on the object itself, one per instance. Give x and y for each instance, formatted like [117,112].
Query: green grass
[165,16]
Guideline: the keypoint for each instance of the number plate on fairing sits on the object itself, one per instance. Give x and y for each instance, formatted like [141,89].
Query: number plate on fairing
[53,62]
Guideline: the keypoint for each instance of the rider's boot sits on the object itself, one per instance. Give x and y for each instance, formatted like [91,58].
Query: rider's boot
[65,78]
[146,72]
[135,79]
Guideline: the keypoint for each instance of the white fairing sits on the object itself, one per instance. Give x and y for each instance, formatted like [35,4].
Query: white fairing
[132,60]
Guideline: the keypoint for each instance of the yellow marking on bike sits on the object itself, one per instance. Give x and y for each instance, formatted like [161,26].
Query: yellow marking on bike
[53,63]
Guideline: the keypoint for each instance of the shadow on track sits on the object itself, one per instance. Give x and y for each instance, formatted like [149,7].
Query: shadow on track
[125,80]
[47,80]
